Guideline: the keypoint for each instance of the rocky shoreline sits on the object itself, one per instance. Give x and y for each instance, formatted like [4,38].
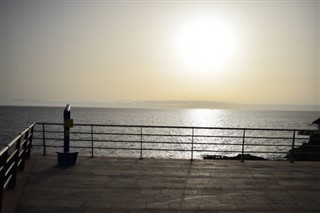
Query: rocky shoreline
[238,157]
[307,151]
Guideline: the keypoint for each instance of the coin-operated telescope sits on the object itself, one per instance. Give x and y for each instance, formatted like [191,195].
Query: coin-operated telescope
[67,158]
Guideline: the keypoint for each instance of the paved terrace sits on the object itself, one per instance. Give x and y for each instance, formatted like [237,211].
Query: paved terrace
[103,184]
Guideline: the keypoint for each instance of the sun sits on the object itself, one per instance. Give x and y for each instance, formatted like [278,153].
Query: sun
[205,44]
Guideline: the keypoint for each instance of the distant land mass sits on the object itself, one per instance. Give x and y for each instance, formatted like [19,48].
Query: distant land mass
[164,104]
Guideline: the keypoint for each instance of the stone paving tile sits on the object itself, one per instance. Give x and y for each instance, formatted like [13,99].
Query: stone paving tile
[47,209]
[165,185]
[104,210]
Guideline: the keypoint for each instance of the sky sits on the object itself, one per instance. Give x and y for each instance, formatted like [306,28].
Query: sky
[241,52]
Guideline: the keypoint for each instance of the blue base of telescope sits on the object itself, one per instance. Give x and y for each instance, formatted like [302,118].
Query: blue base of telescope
[67,159]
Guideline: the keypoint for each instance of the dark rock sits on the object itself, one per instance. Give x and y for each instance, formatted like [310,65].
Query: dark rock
[307,151]
[238,157]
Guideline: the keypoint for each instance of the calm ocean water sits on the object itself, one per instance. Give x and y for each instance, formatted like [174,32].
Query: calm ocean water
[15,119]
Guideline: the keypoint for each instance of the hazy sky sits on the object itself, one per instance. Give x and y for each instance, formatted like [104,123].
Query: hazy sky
[249,52]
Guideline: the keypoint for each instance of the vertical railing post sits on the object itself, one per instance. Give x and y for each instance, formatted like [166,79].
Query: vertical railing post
[29,141]
[91,140]
[243,142]
[14,169]
[141,140]
[3,162]
[44,140]
[292,148]
[23,146]
[192,144]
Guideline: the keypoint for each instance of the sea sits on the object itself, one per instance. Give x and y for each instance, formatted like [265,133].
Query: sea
[15,119]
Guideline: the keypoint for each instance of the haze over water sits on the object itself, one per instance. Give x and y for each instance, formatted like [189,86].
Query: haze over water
[238,52]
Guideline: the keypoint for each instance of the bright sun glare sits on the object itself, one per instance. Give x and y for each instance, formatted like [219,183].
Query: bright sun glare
[205,44]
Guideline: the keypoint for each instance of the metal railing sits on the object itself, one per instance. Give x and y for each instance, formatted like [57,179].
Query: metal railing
[12,160]
[170,141]
[146,141]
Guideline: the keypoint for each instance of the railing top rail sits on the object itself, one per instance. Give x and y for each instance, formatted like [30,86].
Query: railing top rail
[3,150]
[31,125]
[177,127]
[25,131]
[14,141]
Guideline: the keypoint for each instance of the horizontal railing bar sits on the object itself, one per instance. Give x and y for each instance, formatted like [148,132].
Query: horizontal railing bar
[107,141]
[76,139]
[239,152]
[148,142]
[50,123]
[122,141]
[89,140]
[166,142]
[180,127]
[23,141]
[261,152]
[171,150]
[116,134]
[220,151]
[266,137]
[9,169]
[111,134]
[223,144]
[216,136]
[174,143]
[177,143]
[162,135]
[165,135]
[7,181]
[52,139]
[122,148]
[52,146]
[250,137]
[239,144]
[11,157]
[281,145]
[50,131]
